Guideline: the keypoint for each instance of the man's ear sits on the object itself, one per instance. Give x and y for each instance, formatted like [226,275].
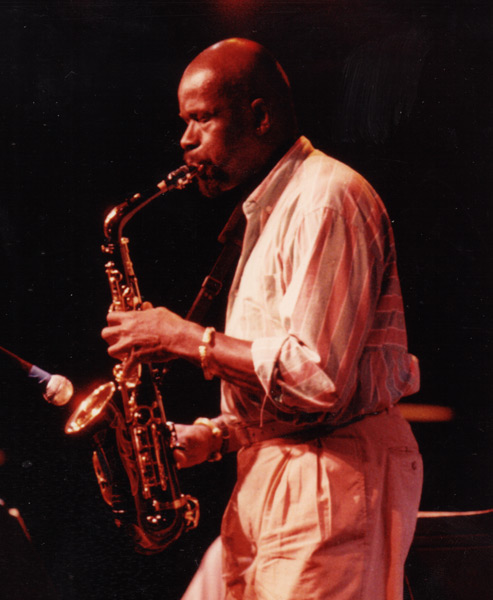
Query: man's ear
[262,116]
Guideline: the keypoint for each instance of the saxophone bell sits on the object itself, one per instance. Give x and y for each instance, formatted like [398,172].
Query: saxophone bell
[91,407]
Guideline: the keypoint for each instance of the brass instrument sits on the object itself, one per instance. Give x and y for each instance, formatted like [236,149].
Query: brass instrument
[137,478]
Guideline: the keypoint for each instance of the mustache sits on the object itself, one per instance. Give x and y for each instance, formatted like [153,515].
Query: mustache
[207,170]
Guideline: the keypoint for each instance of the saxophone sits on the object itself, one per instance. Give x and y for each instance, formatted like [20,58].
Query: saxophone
[133,454]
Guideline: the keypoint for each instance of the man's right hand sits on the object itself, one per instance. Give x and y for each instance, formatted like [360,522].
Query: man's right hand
[196,445]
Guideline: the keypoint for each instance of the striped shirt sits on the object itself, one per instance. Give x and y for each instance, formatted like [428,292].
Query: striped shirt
[317,292]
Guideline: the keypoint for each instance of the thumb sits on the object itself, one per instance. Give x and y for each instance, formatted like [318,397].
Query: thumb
[180,458]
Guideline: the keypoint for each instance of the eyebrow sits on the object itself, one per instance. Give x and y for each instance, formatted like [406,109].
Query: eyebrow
[196,113]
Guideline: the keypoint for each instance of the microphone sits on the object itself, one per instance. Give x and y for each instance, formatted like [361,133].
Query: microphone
[57,389]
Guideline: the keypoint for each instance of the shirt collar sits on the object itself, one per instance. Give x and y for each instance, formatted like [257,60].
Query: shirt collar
[266,194]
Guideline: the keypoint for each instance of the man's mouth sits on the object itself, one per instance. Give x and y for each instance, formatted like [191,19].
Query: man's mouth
[201,167]
[201,170]
[197,169]
[207,171]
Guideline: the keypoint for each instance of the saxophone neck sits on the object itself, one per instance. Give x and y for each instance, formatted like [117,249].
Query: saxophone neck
[118,217]
[120,214]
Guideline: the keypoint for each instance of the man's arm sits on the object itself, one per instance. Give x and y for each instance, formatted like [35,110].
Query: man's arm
[158,334]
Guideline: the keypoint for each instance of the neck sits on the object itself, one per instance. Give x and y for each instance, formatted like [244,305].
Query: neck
[245,189]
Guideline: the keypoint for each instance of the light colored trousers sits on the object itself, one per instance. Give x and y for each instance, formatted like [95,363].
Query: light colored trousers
[327,519]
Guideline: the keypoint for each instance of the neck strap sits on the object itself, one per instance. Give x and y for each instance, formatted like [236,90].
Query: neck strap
[231,237]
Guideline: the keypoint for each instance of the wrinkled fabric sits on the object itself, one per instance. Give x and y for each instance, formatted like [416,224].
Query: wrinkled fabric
[326,519]
[208,583]
[317,291]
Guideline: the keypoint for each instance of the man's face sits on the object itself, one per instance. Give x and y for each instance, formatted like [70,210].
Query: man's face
[220,133]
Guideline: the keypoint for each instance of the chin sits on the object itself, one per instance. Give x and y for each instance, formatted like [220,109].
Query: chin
[210,188]
[213,182]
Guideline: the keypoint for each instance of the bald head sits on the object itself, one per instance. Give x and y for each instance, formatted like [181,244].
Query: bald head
[236,101]
[243,71]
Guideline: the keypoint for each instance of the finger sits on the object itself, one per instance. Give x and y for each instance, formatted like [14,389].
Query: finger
[180,458]
[131,363]
[110,334]
[120,349]
[147,305]
[115,317]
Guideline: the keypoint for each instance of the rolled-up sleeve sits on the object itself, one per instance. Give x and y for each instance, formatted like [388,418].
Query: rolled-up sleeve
[326,311]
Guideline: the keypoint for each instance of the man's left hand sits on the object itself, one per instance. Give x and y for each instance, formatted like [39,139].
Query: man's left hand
[143,336]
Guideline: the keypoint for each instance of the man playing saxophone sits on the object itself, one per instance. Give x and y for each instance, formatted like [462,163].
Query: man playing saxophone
[313,357]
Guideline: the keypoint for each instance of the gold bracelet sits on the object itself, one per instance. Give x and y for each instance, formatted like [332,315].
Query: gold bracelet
[204,351]
[216,434]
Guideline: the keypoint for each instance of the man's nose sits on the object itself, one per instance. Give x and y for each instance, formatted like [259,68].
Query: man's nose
[190,138]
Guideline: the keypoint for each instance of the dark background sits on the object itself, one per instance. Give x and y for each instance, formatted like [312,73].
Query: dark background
[400,90]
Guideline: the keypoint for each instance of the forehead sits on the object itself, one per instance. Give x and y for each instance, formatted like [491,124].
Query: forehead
[201,86]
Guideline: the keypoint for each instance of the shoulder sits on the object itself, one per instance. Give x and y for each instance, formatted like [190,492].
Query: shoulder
[330,191]
[327,183]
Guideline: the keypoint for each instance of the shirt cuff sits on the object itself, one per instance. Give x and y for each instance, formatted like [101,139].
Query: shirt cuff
[291,375]
[265,354]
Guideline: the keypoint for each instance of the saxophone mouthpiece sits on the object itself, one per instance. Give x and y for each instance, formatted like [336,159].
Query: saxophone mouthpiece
[179,178]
